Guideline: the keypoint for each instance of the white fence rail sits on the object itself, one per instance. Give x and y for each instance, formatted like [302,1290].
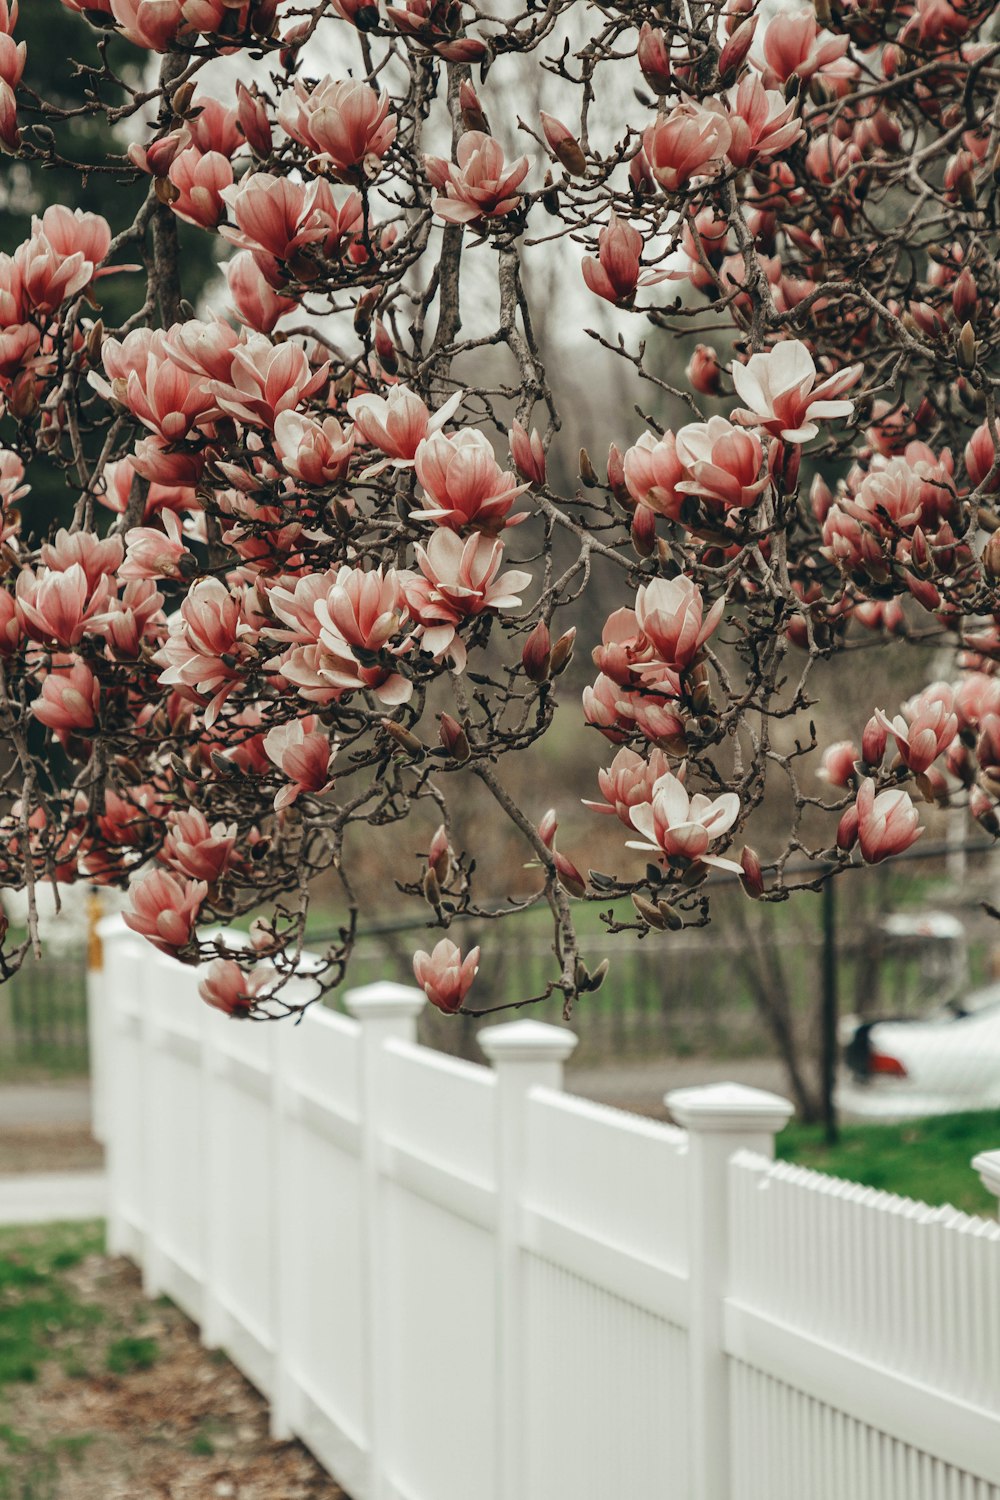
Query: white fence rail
[459,1283]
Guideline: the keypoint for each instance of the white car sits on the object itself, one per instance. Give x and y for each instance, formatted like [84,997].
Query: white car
[940,1063]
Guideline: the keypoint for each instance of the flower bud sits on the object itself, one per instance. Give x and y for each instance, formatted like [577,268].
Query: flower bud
[527,453]
[587,471]
[473,114]
[536,654]
[643,531]
[967,347]
[547,827]
[649,912]
[454,739]
[991,557]
[385,349]
[654,59]
[564,145]
[562,652]
[873,742]
[733,54]
[569,876]
[752,879]
[616,477]
[404,739]
[439,858]
[965,296]
[704,371]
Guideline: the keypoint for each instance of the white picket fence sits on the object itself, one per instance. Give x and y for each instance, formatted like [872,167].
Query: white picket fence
[456,1282]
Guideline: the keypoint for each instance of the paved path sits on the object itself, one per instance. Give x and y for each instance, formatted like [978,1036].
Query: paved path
[642,1085]
[57,1103]
[45,1197]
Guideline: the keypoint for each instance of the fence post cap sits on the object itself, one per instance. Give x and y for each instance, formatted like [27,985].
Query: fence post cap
[987,1164]
[527,1041]
[732,1107]
[384,999]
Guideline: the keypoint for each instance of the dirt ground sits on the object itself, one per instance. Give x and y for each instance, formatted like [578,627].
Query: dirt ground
[106,1396]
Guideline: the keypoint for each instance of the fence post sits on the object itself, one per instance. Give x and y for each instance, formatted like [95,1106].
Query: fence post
[526,1055]
[385,1012]
[97,1025]
[987,1164]
[720,1119]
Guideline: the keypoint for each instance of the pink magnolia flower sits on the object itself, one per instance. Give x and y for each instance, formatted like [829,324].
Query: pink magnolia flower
[340,618]
[69,700]
[95,556]
[254,298]
[528,453]
[444,976]
[688,142]
[628,782]
[481,186]
[930,731]
[782,394]
[62,256]
[277,217]
[164,397]
[226,987]
[153,24]
[653,472]
[207,349]
[253,119]
[266,379]
[346,123]
[151,553]
[164,910]
[197,849]
[669,612]
[13,56]
[204,647]
[884,825]
[762,125]
[460,580]
[313,452]
[797,44]
[134,620]
[303,754]
[722,463]
[399,423]
[683,827]
[59,606]
[200,179]
[616,273]
[463,483]
[838,763]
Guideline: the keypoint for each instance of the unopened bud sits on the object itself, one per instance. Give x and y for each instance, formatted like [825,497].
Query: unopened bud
[587,471]
[965,296]
[752,879]
[547,827]
[569,876]
[967,347]
[564,145]
[643,531]
[733,54]
[873,742]
[562,652]
[364,312]
[473,114]
[404,739]
[991,557]
[671,917]
[616,477]
[536,654]
[847,830]
[649,912]
[385,349]
[454,739]
[439,856]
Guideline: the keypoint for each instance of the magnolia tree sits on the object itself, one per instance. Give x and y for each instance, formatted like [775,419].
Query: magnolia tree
[296,596]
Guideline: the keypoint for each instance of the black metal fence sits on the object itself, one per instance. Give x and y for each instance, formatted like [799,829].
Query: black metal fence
[43,1016]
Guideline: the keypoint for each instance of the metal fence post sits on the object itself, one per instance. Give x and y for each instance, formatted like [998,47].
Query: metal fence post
[526,1055]
[385,1011]
[720,1119]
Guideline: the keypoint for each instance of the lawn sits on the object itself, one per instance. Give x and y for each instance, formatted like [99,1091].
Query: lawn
[925,1159]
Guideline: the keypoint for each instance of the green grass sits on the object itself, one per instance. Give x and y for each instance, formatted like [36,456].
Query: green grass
[131,1353]
[36,1307]
[924,1159]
